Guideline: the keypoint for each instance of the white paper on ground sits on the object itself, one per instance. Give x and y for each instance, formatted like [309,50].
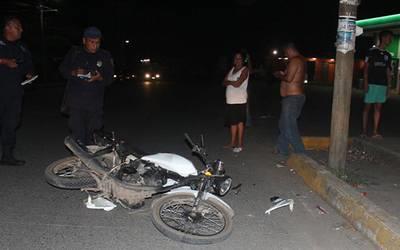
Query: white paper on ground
[100,203]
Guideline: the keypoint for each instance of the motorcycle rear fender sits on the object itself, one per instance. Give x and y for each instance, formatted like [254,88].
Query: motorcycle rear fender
[207,196]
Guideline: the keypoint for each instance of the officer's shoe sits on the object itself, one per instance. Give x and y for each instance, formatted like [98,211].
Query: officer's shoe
[11,161]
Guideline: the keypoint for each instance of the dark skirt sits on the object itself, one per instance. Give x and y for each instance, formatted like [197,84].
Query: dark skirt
[235,114]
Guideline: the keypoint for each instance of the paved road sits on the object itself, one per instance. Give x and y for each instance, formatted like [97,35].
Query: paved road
[34,215]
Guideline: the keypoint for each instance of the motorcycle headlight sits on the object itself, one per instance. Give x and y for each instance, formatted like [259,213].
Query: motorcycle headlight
[222,187]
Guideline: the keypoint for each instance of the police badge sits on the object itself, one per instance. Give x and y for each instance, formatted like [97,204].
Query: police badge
[99,64]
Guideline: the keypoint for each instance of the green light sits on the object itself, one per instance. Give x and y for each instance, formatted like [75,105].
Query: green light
[379,21]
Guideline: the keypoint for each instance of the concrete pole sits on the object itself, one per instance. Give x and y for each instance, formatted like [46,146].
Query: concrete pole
[342,84]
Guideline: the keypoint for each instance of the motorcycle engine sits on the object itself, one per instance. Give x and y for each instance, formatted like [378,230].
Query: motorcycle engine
[143,173]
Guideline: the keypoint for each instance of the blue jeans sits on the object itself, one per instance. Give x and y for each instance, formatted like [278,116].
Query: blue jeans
[289,132]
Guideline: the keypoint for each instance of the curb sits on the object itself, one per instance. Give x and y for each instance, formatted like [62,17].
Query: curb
[374,222]
[318,142]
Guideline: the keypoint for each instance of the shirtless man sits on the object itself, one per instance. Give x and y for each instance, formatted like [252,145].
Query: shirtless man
[293,98]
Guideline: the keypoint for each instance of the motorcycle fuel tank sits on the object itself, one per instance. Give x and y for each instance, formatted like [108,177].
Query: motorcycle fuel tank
[172,162]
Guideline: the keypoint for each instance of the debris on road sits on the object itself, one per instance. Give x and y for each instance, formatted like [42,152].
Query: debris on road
[279,202]
[99,203]
[279,165]
[321,210]
[357,154]
[237,188]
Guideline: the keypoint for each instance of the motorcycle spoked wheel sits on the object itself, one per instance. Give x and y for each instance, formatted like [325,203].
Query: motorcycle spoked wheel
[65,173]
[170,215]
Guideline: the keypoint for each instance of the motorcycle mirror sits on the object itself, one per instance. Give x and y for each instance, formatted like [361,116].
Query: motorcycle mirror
[202,140]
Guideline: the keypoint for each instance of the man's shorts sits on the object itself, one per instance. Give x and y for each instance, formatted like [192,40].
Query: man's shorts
[376,94]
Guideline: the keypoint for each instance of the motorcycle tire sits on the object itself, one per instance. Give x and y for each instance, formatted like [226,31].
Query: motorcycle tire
[56,174]
[178,205]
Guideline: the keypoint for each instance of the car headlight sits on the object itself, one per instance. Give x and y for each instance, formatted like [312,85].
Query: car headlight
[157,75]
[223,186]
[147,76]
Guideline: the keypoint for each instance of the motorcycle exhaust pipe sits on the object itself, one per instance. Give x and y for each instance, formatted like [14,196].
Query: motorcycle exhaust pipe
[91,162]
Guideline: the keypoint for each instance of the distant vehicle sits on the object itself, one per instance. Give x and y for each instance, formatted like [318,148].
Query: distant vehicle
[144,71]
[124,75]
[148,71]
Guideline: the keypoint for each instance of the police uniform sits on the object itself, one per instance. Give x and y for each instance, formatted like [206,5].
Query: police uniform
[85,99]
[11,92]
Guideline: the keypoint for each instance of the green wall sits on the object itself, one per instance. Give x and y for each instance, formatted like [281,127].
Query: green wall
[394,47]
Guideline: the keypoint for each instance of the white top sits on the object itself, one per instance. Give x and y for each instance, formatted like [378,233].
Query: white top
[236,95]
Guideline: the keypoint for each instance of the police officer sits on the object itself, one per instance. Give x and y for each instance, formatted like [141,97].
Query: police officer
[88,70]
[15,66]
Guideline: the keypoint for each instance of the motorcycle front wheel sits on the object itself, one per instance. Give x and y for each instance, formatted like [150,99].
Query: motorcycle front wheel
[68,173]
[172,216]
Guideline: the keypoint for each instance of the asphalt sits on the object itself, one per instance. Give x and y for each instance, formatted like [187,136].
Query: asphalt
[34,215]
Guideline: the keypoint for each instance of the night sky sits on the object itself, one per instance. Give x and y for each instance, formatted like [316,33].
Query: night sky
[194,31]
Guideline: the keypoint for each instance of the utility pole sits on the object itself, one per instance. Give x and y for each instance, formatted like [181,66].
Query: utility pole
[345,44]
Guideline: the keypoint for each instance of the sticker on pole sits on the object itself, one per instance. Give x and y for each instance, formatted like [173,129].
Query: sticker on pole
[346,35]
[351,2]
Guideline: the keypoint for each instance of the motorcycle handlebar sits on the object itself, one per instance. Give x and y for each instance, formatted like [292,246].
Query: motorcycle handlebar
[198,150]
[192,145]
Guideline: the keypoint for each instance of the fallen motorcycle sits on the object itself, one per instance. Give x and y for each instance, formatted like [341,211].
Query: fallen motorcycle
[187,211]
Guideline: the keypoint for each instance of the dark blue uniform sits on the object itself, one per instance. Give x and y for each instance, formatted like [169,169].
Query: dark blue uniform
[11,91]
[85,99]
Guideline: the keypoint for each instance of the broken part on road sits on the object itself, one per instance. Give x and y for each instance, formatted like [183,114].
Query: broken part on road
[278,203]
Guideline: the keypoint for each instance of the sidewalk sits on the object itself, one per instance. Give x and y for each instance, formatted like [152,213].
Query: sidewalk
[369,201]
[380,171]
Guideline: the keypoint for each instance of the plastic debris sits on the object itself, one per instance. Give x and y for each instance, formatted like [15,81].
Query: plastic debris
[321,210]
[279,165]
[99,203]
[279,202]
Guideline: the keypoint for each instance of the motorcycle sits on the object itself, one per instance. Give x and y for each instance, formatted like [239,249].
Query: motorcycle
[189,209]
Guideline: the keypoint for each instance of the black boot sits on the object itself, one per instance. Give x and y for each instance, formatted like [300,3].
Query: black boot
[8,158]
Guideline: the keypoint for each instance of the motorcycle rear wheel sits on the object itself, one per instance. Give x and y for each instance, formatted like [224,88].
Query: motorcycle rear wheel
[68,173]
[170,215]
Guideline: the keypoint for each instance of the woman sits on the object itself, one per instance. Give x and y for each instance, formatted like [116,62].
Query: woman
[236,99]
